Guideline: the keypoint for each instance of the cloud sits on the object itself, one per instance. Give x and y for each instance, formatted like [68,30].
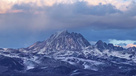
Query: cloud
[6,5]
[65,14]
[100,16]
[55,17]
[119,4]
[130,45]
[124,43]
[121,41]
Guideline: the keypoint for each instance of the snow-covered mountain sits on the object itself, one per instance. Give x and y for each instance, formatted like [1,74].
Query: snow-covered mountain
[61,41]
[68,54]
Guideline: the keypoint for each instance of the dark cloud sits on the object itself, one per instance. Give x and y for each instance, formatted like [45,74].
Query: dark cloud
[65,16]
[82,15]
[99,10]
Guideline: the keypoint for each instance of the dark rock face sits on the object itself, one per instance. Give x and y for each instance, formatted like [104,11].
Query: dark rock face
[1,49]
[101,45]
[8,63]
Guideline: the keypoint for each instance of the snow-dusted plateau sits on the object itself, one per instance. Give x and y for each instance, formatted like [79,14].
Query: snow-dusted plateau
[68,54]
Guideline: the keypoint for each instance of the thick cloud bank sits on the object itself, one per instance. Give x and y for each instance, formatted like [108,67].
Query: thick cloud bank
[58,14]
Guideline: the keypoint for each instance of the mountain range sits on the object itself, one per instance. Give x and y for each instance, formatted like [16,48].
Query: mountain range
[68,54]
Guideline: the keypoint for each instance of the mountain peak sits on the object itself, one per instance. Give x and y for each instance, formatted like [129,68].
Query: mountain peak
[68,41]
[99,42]
[101,45]
[62,32]
[64,41]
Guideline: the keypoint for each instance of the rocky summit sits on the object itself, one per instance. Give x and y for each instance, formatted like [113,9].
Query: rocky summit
[62,41]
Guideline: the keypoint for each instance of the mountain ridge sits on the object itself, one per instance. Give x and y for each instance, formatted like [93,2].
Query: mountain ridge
[52,41]
[56,57]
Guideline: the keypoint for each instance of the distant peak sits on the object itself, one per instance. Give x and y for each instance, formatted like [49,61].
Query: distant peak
[101,45]
[99,42]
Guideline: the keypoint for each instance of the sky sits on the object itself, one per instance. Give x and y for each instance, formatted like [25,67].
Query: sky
[24,22]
